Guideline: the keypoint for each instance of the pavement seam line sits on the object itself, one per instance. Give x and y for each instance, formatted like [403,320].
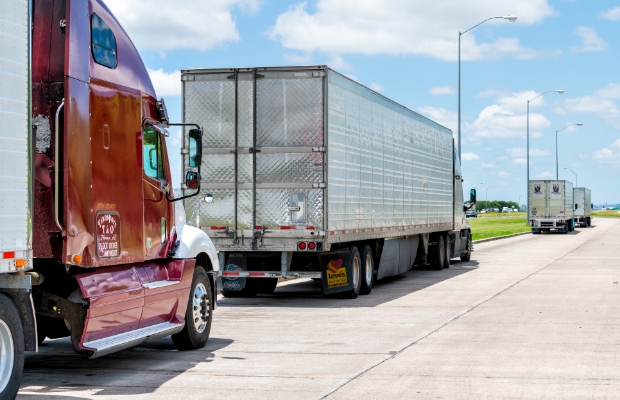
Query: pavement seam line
[461,314]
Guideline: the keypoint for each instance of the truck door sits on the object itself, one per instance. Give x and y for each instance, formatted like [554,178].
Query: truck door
[156,186]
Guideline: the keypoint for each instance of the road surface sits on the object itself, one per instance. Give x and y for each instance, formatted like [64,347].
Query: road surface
[533,316]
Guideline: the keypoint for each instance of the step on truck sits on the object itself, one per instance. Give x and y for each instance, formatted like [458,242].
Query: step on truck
[551,206]
[582,198]
[309,174]
[93,242]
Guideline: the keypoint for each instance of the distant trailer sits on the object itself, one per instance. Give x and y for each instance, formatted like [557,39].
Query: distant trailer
[551,206]
[308,173]
[582,198]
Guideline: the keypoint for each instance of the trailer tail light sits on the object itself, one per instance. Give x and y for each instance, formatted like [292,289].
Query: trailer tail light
[302,245]
[310,228]
[8,254]
[287,227]
[218,228]
[311,246]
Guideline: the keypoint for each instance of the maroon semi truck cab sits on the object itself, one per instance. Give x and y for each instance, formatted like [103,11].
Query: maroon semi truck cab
[115,263]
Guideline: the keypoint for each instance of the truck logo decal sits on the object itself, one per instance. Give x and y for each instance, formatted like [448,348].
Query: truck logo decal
[556,189]
[336,274]
[108,240]
[231,285]
[537,189]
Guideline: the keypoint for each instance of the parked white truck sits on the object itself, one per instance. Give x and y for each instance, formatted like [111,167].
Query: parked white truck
[551,206]
[582,198]
[307,173]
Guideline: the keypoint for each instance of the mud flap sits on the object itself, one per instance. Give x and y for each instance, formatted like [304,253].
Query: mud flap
[336,272]
[235,264]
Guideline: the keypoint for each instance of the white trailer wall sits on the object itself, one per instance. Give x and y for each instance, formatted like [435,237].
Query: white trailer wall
[14,120]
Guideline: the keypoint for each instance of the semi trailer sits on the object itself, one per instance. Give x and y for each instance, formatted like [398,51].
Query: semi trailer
[551,206]
[308,173]
[93,242]
[582,198]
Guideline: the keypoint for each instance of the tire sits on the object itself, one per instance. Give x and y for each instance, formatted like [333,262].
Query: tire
[198,316]
[356,274]
[467,255]
[368,270]
[11,349]
[447,255]
[535,231]
[588,222]
[439,254]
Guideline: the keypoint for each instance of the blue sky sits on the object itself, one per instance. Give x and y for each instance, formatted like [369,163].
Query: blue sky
[407,50]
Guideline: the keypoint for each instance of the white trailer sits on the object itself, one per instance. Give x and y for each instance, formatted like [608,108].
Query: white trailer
[17,319]
[307,173]
[551,206]
[582,198]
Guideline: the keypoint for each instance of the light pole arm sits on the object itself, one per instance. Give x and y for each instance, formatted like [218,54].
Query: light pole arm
[460,33]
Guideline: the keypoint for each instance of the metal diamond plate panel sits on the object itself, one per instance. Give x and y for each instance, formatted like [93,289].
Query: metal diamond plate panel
[272,206]
[290,112]
[289,167]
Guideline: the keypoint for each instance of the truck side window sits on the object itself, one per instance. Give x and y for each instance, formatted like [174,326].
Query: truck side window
[152,153]
[103,42]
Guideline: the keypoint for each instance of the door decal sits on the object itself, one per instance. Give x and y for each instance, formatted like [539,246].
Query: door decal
[108,240]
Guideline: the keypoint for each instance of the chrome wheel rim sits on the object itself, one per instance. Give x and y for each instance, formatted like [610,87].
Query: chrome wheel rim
[201,306]
[368,269]
[356,272]
[7,355]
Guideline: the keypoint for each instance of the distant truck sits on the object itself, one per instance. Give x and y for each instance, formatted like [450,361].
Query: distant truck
[582,198]
[307,173]
[93,240]
[551,206]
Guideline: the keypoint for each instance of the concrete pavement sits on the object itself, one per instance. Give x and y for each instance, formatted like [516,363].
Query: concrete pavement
[532,316]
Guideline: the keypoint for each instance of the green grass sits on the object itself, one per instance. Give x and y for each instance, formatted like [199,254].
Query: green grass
[606,214]
[489,225]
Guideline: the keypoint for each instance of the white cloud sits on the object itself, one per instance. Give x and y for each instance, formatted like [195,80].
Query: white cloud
[439,90]
[489,165]
[175,25]
[590,40]
[544,175]
[608,156]
[337,62]
[396,27]
[594,104]
[166,83]
[611,91]
[470,157]
[616,143]
[299,59]
[503,174]
[521,161]
[449,119]
[508,118]
[377,87]
[522,152]
[613,14]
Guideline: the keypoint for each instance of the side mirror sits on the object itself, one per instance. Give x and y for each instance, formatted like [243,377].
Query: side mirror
[195,148]
[464,208]
[472,196]
[192,180]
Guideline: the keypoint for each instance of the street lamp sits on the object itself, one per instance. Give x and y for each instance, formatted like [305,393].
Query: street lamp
[557,176]
[573,174]
[510,18]
[527,183]
[487,195]
[478,185]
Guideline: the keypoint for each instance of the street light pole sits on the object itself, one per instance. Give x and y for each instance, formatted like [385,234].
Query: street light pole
[576,185]
[557,175]
[510,18]
[478,185]
[487,195]
[527,183]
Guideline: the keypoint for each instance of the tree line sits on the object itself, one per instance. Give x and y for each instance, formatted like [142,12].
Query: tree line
[483,204]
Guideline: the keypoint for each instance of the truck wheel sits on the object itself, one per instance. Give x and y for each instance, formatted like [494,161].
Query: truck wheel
[467,255]
[356,274]
[447,257]
[439,254]
[588,222]
[368,269]
[198,316]
[11,349]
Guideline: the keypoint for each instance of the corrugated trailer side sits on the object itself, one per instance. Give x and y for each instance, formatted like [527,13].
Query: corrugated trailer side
[302,161]
[14,137]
